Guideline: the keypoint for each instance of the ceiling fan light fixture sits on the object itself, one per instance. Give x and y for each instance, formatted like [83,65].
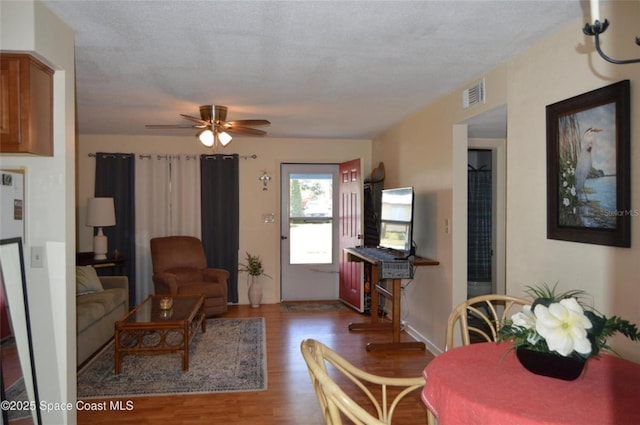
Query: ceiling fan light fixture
[224,138]
[213,129]
[206,137]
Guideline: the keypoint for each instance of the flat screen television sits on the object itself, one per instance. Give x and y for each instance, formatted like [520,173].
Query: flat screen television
[396,220]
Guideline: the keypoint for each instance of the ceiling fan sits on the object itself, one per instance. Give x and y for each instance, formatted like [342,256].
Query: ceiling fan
[215,128]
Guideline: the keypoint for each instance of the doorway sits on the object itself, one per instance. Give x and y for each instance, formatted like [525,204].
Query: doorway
[484,131]
[480,239]
[496,149]
[309,233]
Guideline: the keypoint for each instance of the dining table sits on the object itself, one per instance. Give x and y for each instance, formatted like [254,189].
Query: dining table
[484,383]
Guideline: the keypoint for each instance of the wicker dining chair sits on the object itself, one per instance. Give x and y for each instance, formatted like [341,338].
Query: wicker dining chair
[334,400]
[481,317]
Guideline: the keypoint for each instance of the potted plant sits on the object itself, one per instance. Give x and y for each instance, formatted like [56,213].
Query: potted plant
[558,333]
[253,268]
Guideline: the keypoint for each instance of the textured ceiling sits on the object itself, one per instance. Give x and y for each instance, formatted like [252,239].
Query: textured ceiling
[326,69]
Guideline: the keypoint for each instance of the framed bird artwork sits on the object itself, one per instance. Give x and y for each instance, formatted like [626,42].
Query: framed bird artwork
[588,167]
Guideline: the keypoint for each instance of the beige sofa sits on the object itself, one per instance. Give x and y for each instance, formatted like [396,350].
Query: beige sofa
[97,312]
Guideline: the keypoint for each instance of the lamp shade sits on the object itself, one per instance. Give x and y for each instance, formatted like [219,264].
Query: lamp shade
[100,212]
[206,137]
[224,138]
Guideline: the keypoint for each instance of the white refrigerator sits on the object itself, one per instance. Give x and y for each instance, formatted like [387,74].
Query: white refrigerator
[12,205]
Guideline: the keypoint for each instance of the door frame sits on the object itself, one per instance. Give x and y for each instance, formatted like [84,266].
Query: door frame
[332,269]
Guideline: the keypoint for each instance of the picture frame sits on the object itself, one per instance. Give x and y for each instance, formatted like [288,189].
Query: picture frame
[588,167]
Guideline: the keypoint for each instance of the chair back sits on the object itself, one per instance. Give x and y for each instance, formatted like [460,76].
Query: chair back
[177,252]
[336,403]
[482,317]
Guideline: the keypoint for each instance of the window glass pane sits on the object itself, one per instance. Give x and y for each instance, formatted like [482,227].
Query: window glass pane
[310,242]
[310,218]
[311,195]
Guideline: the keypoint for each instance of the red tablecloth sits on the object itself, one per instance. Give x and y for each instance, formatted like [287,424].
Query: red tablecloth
[486,384]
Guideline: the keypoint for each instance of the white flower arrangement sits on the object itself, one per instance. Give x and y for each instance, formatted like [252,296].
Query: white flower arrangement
[560,324]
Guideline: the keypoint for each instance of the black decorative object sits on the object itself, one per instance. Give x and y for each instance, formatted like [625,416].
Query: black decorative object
[551,365]
[598,28]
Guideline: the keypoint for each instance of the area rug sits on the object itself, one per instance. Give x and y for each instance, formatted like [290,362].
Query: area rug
[311,306]
[17,392]
[229,357]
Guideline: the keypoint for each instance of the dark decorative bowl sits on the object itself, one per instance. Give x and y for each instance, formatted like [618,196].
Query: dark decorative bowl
[551,365]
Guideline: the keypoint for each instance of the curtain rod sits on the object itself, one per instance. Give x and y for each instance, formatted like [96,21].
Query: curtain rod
[254,156]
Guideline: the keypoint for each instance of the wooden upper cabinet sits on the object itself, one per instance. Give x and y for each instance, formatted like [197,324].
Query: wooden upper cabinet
[26,105]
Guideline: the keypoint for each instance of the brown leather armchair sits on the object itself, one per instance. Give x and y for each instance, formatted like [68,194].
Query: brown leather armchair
[180,267]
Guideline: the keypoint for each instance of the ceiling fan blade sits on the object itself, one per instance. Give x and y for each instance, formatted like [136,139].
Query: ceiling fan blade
[194,119]
[244,130]
[170,126]
[247,123]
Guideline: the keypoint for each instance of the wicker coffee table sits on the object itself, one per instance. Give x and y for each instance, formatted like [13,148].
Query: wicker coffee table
[148,329]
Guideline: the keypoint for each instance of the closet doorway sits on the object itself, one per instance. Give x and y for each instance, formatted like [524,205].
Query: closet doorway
[486,131]
[480,223]
[496,148]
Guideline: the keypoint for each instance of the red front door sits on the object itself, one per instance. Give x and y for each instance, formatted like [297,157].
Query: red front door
[350,229]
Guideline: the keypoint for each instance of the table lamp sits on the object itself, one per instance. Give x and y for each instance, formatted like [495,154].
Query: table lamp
[100,213]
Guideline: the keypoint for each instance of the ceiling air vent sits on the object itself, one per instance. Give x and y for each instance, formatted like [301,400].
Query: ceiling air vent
[473,95]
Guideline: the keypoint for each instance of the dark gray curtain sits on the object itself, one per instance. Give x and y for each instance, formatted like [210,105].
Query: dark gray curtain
[220,199]
[479,226]
[115,175]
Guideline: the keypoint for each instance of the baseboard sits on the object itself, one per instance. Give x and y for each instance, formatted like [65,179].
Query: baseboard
[434,349]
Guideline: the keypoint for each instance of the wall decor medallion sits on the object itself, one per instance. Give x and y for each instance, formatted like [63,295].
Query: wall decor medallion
[588,167]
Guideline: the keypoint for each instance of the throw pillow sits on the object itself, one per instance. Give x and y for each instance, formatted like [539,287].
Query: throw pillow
[87,281]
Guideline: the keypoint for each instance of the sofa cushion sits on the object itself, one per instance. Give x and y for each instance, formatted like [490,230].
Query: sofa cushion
[87,280]
[94,306]
[88,314]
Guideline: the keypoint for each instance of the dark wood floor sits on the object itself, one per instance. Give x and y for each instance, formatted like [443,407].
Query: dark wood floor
[289,399]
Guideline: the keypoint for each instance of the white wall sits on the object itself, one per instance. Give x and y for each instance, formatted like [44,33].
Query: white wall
[555,70]
[257,237]
[50,188]
[429,151]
